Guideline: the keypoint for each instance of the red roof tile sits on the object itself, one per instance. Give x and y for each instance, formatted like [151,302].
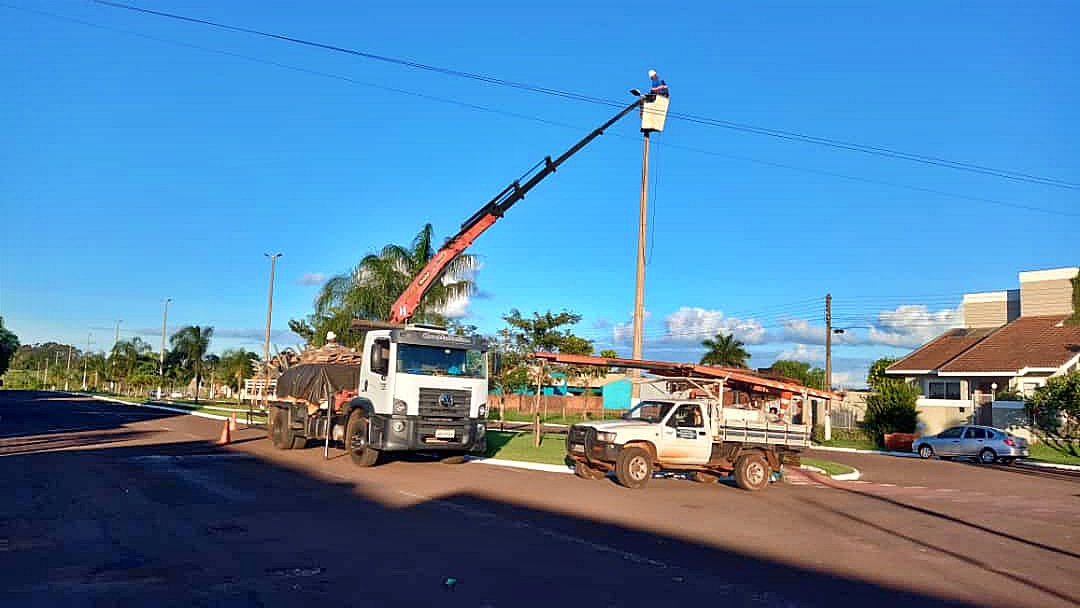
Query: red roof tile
[940,350]
[1026,342]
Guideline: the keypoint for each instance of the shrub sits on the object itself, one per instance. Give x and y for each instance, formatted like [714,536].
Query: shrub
[1011,395]
[839,434]
[1058,400]
[891,410]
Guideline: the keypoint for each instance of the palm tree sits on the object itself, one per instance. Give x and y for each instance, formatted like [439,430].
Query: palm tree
[370,289]
[724,350]
[190,344]
[236,364]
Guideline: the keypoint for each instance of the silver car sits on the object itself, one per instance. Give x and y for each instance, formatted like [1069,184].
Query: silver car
[984,443]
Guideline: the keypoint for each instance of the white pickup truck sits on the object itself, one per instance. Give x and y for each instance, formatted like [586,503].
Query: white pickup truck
[699,437]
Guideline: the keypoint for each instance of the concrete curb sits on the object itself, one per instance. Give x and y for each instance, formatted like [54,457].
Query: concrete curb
[1051,465]
[157,407]
[519,464]
[852,476]
[858,451]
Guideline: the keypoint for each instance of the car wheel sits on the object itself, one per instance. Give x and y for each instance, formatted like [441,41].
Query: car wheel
[752,472]
[925,451]
[987,456]
[633,468]
[584,471]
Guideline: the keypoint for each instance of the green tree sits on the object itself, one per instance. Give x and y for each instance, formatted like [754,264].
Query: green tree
[9,343]
[726,351]
[125,358]
[191,343]
[876,376]
[238,365]
[891,410]
[370,289]
[1055,407]
[803,373]
[1074,320]
[607,353]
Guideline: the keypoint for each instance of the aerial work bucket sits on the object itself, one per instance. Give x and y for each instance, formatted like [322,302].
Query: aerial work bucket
[654,110]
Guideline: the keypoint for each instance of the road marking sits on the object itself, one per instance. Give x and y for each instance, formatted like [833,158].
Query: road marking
[916,487]
[488,516]
[179,457]
[887,485]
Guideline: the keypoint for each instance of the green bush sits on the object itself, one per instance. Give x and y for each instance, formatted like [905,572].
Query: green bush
[1010,395]
[891,410]
[1060,396]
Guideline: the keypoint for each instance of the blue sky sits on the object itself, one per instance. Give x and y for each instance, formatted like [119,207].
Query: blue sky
[137,168]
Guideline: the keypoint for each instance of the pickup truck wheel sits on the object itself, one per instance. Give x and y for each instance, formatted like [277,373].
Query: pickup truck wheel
[634,468]
[751,472]
[584,471]
[356,434]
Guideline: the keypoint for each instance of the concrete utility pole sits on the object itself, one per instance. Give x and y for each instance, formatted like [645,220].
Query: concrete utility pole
[161,369]
[68,374]
[269,317]
[45,384]
[639,291]
[89,338]
[116,338]
[828,363]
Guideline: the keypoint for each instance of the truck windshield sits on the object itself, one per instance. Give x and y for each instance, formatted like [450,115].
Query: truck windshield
[439,361]
[649,411]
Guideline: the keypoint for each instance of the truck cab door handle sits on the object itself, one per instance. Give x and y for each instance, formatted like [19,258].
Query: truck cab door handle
[365,384]
[701,433]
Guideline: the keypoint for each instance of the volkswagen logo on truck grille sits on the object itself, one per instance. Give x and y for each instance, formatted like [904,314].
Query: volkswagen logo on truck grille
[446,400]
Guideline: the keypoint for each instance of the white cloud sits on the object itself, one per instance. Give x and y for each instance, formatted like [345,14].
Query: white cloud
[802,352]
[456,309]
[623,333]
[696,324]
[911,325]
[312,278]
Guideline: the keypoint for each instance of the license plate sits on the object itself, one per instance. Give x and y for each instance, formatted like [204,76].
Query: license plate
[578,448]
[444,434]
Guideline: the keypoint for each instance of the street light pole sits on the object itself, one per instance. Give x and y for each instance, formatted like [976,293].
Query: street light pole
[269,317]
[161,356]
[67,376]
[89,337]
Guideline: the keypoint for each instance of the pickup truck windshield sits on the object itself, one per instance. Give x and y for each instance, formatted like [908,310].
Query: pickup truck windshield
[438,361]
[649,411]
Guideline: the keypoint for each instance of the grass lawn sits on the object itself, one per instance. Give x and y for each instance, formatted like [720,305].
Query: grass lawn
[519,446]
[1045,452]
[832,468]
[849,443]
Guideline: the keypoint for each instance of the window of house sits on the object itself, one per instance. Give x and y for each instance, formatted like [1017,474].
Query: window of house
[943,389]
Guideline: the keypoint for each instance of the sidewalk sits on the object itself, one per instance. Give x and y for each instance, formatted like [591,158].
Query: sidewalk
[1034,463]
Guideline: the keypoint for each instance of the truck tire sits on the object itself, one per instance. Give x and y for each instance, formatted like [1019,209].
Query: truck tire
[752,472]
[356,432]
[584,471]
[279,421]
[633,468]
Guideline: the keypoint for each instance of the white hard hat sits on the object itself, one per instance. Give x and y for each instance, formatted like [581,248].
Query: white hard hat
[331,336]
[652,73]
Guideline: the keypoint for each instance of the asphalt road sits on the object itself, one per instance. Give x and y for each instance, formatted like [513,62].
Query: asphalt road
[109,505]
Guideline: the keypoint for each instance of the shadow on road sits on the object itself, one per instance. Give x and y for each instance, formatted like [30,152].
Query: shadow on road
[191,523]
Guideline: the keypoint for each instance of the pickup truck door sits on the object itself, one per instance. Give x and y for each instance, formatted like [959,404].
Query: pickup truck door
[684,438]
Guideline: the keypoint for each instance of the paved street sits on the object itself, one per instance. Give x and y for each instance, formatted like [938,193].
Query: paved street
[116,505]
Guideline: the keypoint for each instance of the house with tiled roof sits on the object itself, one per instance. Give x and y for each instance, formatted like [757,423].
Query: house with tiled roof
[1011,341]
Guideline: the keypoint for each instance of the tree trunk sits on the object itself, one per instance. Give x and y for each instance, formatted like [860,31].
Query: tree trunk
[198,381]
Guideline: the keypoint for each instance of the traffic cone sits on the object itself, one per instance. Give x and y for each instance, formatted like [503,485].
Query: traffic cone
[226,436]
[232,423]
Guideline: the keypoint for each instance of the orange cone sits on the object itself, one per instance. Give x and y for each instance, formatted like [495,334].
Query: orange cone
[232,423]
[226,436]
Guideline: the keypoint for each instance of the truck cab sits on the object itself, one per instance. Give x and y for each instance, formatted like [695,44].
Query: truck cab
[422,388]
[696,436]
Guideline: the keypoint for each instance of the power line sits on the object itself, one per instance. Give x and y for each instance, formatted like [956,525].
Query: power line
[537,119]
[703,120]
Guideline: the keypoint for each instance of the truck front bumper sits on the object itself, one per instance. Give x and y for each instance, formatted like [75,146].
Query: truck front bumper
[582,444]
[417,434]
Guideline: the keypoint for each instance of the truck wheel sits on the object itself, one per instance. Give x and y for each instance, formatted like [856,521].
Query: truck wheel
[356,434]
[751,472]
[633,468]
[584,471]
[278,422]
[452,459]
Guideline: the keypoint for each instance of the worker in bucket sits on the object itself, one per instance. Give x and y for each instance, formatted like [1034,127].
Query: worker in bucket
[659,87]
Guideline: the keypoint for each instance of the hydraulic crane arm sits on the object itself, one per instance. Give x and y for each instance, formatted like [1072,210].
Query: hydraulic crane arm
[480,221]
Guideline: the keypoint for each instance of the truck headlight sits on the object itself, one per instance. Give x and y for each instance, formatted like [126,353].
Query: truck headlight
[400,406]
[606,437]
[482,412]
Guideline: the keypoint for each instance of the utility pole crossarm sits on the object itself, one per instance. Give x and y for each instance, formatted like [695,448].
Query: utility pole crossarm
[407,303]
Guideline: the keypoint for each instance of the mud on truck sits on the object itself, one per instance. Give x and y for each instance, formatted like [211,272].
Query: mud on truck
[417,389]
[698,437]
